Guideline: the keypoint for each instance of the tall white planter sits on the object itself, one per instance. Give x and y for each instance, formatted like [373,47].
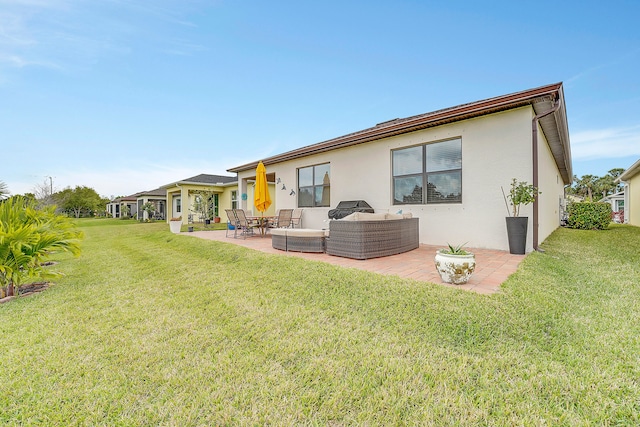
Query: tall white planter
[174,226]
[455,269]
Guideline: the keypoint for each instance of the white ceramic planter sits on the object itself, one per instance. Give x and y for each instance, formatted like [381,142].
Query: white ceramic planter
[455,269]
[174,226]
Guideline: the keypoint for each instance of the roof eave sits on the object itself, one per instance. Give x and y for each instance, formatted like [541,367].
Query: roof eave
[556,131]
[632,171]
[424,121]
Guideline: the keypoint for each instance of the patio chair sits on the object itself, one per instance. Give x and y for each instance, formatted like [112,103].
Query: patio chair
[232,221]
[243,224]
[283,220]
[296,218]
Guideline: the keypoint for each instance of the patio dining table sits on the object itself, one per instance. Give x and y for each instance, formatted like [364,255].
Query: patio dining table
[263,223]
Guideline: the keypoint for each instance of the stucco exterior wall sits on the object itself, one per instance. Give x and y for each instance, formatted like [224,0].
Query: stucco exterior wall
[188,200]
[250,207]
[632,206]
[552,187]
[495,149]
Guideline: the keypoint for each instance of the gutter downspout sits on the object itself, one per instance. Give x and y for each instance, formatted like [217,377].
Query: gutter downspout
[534,145]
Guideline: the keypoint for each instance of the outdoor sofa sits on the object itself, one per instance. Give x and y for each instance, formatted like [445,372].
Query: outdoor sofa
[369,235]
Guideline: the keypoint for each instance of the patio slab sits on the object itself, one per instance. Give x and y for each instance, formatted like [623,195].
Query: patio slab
[493,267]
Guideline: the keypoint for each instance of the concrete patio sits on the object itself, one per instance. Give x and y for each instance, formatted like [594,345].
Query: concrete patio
[492,266]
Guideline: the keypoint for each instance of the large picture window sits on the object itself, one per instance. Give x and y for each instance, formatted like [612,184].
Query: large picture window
[427,174]
[314,186]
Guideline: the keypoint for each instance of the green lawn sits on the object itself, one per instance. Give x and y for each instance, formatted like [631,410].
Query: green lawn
[151,328]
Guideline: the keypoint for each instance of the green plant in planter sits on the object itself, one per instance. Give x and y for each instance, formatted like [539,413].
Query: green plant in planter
[520,194]
[454,250]
[454,264]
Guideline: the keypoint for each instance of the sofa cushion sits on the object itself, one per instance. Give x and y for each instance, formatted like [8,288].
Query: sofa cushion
[394,216]
[305,232]
[351,217]
[278,231]
[365,216]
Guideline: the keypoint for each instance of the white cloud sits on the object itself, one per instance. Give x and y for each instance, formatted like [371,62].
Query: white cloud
[605,143]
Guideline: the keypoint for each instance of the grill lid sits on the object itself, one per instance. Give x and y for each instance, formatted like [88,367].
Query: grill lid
[348,207]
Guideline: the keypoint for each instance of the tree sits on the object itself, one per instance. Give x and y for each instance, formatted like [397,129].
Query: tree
[205,203]
[584,186]
[588,185]
[604,185]
[151,209]
[28,236]
[615,174]
[44,193]
[80,200]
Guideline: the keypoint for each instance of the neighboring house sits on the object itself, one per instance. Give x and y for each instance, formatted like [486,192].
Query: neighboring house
[631,180]
[617,205]
[126,205]
[446,167]
[157,198]
[184,196]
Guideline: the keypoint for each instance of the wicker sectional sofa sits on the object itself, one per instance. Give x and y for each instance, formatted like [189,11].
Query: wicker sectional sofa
[370,235]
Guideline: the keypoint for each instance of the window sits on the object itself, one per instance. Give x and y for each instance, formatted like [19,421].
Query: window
[436,167]
[234,200]
[177,205]
[314,186]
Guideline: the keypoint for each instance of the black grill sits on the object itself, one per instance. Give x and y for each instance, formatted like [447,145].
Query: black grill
[348,207]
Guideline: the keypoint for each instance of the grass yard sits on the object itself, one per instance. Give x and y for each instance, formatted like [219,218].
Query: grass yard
[151,328]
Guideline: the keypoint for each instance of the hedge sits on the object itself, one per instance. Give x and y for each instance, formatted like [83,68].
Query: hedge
[589,216]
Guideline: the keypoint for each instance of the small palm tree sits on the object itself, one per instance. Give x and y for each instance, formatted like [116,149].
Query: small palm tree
[28,237]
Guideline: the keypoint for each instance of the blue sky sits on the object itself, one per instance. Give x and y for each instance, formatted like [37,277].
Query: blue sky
[125,96]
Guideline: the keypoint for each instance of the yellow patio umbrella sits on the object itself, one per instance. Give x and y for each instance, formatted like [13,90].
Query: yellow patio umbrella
[261,197]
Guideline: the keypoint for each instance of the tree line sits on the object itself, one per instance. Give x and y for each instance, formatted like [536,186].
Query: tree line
[592,187]
[81,201]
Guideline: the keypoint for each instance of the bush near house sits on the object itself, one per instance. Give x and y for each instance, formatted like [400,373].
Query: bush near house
[589,215]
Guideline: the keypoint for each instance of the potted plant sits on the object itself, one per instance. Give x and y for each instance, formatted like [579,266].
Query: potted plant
[175,224]
[455,265]
[520,194]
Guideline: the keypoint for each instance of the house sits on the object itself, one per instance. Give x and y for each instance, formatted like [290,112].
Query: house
[631,180]
[446,167]
[617,205]
[157,202]
[122,207]
[201,196]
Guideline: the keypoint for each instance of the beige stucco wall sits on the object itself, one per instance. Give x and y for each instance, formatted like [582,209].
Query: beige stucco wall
[188,200]
[495,148]
[632,200]
[248,205]
[552,187]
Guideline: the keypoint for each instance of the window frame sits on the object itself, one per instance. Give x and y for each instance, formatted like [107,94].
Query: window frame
[234,199]
[313,185]
[424,175]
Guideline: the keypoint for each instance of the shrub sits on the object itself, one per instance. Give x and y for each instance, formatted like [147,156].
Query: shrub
[589,216]
[28,236]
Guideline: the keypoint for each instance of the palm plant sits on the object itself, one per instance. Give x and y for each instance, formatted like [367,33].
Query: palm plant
[28,237]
